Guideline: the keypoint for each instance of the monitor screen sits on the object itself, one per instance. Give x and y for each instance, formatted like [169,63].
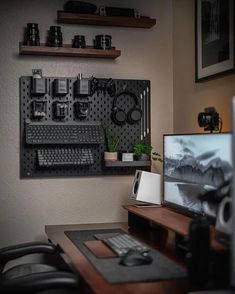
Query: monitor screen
[196,165]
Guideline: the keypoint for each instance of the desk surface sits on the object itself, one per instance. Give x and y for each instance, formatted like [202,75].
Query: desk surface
[92,278]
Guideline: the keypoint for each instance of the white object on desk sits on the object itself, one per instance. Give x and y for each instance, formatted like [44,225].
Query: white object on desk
[147,187]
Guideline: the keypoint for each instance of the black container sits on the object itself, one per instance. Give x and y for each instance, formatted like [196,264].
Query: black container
[199,250]
[79,41]
[103,42]
[31,36]
[55,38]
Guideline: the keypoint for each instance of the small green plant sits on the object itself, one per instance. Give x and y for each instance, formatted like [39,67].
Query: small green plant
[139,149]
[111,140]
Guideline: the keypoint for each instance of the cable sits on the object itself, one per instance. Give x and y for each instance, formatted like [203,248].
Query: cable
[221,124]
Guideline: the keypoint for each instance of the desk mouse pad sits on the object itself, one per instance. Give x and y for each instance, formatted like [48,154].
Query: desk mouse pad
[161,268]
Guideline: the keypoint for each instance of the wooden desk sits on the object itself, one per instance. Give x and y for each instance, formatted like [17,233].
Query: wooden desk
[92,281]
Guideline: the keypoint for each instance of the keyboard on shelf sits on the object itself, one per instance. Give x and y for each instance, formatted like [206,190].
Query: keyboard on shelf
[64,157]
[89,132]
[122,243]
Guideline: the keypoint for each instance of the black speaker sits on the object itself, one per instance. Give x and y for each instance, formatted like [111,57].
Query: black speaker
[120,116]
[199,250]
[224,216]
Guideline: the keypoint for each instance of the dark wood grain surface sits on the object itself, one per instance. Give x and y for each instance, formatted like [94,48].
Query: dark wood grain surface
[69,51]
[173,221]
[98,20]
[94,281]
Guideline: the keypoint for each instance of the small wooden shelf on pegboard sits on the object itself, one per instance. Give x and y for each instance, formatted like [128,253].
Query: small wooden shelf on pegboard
[119,163]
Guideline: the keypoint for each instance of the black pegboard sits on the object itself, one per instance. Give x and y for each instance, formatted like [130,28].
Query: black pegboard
[100,110]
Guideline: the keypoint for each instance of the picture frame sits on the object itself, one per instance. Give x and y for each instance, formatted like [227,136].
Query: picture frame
[214,36]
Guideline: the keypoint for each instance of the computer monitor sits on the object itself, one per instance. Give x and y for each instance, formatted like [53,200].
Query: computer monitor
[195,165]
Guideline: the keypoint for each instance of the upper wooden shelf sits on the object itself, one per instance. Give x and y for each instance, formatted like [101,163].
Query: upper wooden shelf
[67,50]
[98,20]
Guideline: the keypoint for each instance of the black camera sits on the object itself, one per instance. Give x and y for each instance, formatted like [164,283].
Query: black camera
[209,119]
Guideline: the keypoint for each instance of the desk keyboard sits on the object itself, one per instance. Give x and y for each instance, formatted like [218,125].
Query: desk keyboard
[64,157]
[122,243]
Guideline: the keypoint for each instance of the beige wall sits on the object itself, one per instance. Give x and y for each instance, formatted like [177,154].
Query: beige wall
[27,205]
[190,98]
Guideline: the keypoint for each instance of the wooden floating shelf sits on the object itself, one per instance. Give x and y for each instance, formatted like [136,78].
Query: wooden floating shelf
[67,50]
[98,20]
[119,163]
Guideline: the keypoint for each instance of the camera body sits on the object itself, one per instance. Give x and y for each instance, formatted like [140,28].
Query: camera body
[209,119]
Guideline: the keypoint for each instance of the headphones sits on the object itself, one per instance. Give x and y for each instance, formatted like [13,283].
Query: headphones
[120,117]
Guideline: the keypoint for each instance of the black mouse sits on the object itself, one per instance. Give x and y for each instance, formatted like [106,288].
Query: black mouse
[134,258]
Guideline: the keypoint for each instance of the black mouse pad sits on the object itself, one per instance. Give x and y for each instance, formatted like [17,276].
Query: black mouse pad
[162,268]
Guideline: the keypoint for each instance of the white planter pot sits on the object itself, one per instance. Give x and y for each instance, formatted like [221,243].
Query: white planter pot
[113,156]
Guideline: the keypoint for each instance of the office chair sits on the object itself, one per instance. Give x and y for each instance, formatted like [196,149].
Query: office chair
[34,277]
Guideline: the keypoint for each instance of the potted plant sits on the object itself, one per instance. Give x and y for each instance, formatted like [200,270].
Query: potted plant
[142,151]
[112,142]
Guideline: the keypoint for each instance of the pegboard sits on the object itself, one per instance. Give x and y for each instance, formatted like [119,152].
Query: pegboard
[100,110]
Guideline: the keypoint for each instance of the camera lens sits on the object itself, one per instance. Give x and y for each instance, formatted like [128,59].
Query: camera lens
[79,41]
[103,42]
[55,37]
[209,119]
[55,29]
[203,119]
[31,36]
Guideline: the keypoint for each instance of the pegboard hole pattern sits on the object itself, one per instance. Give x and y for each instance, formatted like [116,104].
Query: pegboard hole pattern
[100,110]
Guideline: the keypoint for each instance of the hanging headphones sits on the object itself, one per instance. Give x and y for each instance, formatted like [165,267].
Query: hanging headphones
[120,117]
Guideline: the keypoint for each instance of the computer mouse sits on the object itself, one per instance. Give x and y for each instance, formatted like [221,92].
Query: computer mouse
[134,258]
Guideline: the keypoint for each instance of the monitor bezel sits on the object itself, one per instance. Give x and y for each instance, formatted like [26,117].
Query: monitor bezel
[179,208]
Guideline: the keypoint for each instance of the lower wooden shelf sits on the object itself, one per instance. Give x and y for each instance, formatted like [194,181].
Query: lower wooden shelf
[68,50]
[173,221]
[120,163]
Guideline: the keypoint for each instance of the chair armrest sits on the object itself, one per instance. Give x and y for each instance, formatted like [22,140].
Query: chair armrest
[42,281]
[15,251]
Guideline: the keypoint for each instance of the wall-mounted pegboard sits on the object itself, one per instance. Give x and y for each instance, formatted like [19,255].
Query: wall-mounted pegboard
[100,103]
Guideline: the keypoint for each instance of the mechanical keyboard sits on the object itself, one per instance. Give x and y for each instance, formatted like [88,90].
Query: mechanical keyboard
[64,157]
[89,132]
[122,243]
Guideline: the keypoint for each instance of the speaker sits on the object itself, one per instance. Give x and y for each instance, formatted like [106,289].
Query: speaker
[146,187]
[199,250]
[224,216]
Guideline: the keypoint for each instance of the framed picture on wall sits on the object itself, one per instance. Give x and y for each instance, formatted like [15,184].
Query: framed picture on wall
[214,29]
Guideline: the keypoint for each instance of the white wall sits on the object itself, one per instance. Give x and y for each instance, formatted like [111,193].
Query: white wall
[27,205]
